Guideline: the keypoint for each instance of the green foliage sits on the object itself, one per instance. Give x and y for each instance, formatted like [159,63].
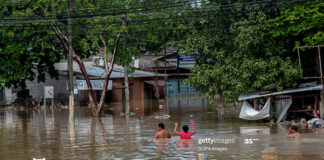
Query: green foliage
[304,24]
[29,45]
[239,55]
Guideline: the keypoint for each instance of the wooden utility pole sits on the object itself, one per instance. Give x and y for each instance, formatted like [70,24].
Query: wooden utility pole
[322,91]
[165,84]
[178,77]
[127,103]
[70,63]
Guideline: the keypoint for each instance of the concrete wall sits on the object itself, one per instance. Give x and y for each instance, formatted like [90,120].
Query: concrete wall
[60,90]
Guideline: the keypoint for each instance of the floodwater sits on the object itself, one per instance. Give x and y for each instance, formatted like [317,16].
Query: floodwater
[47,134]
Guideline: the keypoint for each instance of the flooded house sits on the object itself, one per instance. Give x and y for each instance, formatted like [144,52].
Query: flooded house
[140,86]
[172,64]
[303,101]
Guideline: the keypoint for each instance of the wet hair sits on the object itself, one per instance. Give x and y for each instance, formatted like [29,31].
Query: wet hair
[295,128]
[185,128]
[161,125]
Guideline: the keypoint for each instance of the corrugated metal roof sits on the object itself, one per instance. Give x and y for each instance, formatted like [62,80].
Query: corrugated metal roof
[99,72]
[258,94]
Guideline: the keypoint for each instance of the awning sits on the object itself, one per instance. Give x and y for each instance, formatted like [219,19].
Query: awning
[160,83]
[288,91]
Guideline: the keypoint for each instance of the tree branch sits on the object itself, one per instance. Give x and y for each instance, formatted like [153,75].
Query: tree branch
[108,72]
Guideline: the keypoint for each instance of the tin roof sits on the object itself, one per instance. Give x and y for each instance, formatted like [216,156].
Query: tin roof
[99,72]
[301,88]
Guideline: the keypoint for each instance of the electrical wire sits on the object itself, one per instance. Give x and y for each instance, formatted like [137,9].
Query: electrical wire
[143,21]
[144,11]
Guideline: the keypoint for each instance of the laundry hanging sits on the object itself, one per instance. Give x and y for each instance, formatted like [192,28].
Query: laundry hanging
[249,113]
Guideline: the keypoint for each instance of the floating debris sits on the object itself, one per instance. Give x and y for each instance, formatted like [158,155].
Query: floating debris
[163,116]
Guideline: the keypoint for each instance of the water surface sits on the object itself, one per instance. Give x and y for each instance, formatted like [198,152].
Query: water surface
[47,134]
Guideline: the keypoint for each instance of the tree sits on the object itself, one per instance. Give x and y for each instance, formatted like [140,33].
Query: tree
[96,29]
[304,24]
[87,41]
[238,55]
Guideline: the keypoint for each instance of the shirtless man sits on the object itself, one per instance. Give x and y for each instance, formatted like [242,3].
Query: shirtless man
[162,133]
[293,132]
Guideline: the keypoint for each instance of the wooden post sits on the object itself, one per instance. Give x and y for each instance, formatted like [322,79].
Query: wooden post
[165,84]
[299,60]
[70,62]
[127,103]
[322,104]
[322,91]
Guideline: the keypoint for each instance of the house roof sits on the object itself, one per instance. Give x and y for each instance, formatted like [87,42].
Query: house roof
[302,88]
[99,71]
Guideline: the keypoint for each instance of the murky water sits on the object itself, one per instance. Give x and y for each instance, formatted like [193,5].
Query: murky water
[47,134]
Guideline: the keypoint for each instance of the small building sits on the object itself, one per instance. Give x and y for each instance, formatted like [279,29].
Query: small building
[175,66]
[295,103]
[140,83]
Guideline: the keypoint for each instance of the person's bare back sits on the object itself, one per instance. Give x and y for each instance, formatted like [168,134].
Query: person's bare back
[162,133]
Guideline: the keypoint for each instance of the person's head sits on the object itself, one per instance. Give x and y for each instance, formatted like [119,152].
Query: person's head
[161,126]
[294,129]
[185,128]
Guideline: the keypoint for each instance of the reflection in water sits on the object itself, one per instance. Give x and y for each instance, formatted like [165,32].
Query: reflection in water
[72,135]
[48,133]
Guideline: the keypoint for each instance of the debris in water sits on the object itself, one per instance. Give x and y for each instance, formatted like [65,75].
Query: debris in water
[162,116]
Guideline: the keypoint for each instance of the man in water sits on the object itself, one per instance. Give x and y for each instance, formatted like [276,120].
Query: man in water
[293,132]
[162,133]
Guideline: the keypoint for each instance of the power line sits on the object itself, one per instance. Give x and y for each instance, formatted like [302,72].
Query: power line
[222,7]
[200,14]
[143,21]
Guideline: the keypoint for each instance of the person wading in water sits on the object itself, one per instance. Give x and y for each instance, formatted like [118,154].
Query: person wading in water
[185,134]
[162,133]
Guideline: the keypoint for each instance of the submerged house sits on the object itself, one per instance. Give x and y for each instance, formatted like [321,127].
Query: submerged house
[301,102]
[304,101]
[175,66]
[140,86]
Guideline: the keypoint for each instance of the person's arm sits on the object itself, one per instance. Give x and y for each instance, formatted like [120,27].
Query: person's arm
[156,135]
[289,135]
[175,128]
[193,129]
[193,126]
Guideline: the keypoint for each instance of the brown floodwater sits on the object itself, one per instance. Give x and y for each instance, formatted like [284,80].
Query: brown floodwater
[46,133]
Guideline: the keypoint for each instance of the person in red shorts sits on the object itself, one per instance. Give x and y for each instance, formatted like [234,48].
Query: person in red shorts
[185,134]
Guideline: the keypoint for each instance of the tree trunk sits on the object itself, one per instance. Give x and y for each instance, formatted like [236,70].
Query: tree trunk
[96,109]
[108,72]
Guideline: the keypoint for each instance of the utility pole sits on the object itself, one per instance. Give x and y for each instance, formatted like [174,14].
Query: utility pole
[127,104]
[165,84]
[178,77]
[70,63]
